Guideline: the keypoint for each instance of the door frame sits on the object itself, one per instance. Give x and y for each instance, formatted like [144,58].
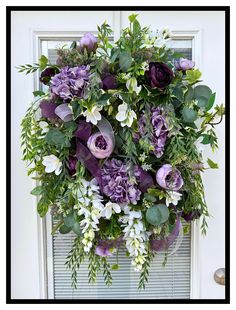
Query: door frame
[44,225]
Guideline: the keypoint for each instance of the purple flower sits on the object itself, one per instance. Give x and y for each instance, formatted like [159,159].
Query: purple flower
[71,164]
[83,131]
[109,81]
[116,182]
[159,75]
[46,75]
[104,248]
[159,128]
[100,145]
[88,42]
[144,178]
[48,109]
[169,178]
[64,112]
[192,215]
[184,64]
[70,82]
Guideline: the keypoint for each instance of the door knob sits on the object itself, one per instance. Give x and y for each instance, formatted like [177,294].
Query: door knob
[219,276]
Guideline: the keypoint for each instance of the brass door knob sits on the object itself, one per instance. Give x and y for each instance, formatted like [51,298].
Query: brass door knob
[219,276]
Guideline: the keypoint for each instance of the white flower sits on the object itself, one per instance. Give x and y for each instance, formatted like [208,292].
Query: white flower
[44,126]
[125,115]
[146,167]
[93,115]
[109,207]
[52,163]
[132,85]
[172,197]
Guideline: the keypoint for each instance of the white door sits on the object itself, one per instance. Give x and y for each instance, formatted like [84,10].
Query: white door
[201,34]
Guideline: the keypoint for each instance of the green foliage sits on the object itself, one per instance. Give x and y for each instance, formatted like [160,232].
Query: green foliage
[57,138]
[106,271]
[143,278]
[125,61]
[192,76]
[211,164]
[157,215]
[189,115]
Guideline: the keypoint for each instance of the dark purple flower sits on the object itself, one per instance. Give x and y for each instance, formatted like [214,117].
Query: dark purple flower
[83,131]
[169,178]
[109,81]
[70,82]
[159,75]
[159,129]
[104,248]
[116,182]
[100,145]
[184,64]
[88,42]
[71,164]
[48,109]
[144,179]
[64,112]
[192,215]
[46,75]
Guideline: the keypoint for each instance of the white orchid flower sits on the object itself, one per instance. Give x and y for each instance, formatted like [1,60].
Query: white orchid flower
[93,115]
[44,126]
[125,116]
[132,85]
[109,208]
[52,163]
[172,197]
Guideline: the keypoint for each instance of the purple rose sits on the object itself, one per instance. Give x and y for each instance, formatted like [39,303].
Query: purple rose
[48,109]
[88,42]
[169,178]
[100,145]
[109,81]
[64,112]
[71,164]
[184,64]
[159,75]
[46,75]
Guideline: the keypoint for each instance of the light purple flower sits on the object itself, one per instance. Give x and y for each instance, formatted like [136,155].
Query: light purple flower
[70,82]
[88,41]
[64,112]
[100,145]
[169,178]
[116,182]
[48,109]
[184,64]
[159,132]
[104,248]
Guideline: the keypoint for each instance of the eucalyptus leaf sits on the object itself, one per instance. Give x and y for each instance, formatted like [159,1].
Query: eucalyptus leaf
[202,102]
[76,229]
[202,91]
[64,229]
[189,115]
[70,220]
[157,215]
[189,94]
[211,102]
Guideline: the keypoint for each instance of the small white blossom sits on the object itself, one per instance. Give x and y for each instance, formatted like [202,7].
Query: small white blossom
[52,163]
[172,198]
[146,167]
[132,85]
[109,208]
[44,126]
[93,115]
[125,115]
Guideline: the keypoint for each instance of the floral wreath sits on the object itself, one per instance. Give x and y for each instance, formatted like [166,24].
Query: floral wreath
[114,144]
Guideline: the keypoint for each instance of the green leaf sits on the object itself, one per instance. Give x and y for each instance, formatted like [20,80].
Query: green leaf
[202,91]
[157,214]
[76,229]
[125,61]
[136,28]
[56,137]
[114,54]
[38,190]
[189,115]
[211,102]
[150,197]
[43,61]
[132,17]
[70,220]
[115,267]
[38,93]
[64,229]
[206,139]
[211,164]
[192,76]
[202,102]
[73,45]
[189,94]
[42,208]
[76,109]
[102,101]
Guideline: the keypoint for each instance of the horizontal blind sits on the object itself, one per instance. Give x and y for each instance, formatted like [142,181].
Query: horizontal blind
[169,282]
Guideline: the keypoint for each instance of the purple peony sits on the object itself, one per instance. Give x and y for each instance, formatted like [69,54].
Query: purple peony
[70,82]
[48,109]
[184,64]
[169,178]
[100,145]
[159,75]
[47,74]
[116,183]
[109,81]
[159,129]
[88,42]
[71,164]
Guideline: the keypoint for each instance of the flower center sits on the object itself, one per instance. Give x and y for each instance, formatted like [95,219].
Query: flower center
[101,143]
